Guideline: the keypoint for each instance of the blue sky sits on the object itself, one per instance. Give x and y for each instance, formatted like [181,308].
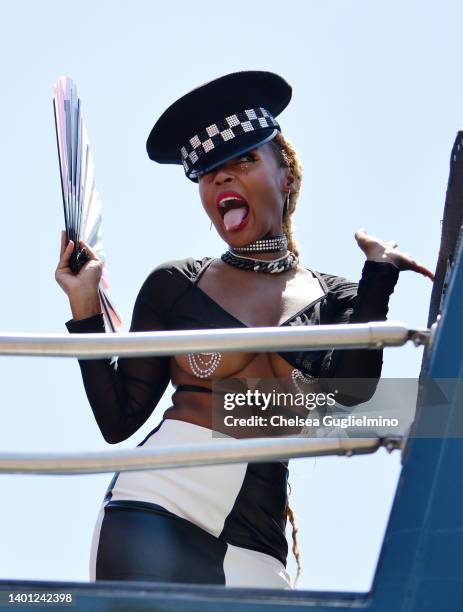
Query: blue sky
[377,102]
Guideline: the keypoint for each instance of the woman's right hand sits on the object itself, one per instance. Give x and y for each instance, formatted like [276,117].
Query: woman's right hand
[81,288]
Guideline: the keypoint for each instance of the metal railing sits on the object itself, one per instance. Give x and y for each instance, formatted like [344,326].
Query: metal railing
[188,455]
[140,344]
[137,344]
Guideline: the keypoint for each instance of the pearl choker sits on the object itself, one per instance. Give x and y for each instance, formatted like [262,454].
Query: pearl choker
[275,243]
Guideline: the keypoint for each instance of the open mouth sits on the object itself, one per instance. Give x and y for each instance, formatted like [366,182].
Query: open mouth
[234,210]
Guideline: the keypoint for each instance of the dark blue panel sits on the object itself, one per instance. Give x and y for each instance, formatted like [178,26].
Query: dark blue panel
[422,555]
[144,597]
[448,498]
[448,592]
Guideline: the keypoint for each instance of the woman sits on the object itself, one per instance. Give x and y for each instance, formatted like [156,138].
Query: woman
[220,524]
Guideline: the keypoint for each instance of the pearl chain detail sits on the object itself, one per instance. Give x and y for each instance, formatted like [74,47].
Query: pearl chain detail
[297,375]
[203,368]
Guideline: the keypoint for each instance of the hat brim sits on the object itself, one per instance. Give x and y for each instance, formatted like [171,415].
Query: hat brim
[228,151]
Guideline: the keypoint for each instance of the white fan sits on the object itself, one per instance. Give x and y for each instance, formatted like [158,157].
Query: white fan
[81,201]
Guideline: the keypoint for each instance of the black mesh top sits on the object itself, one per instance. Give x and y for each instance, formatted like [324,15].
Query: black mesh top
[124,393]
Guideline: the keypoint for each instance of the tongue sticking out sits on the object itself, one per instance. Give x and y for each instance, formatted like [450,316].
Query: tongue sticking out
[233,217]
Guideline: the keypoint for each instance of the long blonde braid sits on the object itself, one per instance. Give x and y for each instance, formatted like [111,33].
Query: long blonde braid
[288,157]
[295,548]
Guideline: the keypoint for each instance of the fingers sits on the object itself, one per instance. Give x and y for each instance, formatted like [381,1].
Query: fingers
[408,263]
[422,270]
[428,273]
[88,249]
[65,245]
[404,261]
[362,233]
[67,248]
[66,254]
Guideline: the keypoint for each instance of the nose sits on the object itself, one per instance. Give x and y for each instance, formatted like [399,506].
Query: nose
[222,175]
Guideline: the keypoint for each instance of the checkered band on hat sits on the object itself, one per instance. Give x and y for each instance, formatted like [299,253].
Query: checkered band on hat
[222,131]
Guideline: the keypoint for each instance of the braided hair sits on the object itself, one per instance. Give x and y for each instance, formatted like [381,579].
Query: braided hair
[296,552]
[288,157]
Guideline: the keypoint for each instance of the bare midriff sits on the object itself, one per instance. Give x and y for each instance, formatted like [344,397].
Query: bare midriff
[197,407]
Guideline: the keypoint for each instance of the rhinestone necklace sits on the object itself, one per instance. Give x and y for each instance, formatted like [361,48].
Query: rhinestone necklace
[275,243]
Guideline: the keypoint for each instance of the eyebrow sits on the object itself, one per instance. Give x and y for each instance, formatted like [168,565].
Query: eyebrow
[229,160]
[250,151]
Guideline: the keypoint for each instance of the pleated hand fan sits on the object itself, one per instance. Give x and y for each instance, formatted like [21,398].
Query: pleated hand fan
[81,201]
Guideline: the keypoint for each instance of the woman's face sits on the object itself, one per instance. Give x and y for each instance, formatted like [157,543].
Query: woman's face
[244,197]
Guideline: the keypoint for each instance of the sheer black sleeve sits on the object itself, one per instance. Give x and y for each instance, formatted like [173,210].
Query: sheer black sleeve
[358,303]
[124,392]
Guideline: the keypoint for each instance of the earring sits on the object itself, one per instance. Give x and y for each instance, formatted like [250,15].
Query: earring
[286,204]
[210,227]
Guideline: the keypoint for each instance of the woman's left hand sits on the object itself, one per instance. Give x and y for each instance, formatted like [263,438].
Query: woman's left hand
[378,250]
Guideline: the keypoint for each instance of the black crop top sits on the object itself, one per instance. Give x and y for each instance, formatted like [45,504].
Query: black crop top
[124,393]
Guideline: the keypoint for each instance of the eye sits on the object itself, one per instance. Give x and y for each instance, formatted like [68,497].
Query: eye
[246,157]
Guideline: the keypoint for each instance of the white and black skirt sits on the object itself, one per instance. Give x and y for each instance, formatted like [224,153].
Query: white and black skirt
[221,524]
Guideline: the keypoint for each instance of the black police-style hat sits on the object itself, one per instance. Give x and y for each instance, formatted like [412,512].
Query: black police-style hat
[219,120]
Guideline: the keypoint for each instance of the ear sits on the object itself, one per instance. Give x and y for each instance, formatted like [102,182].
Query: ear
[289,182]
